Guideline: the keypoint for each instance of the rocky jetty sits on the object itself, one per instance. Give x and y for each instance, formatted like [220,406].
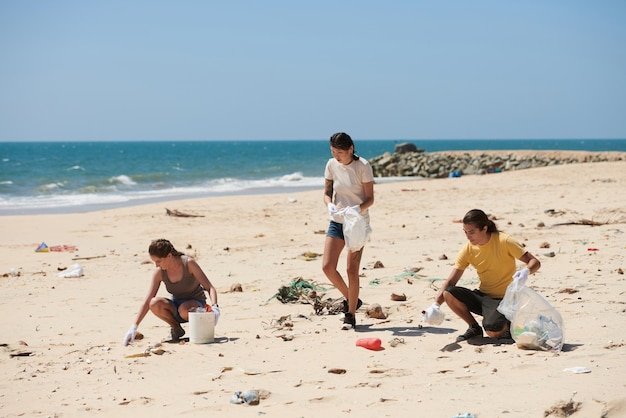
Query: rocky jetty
[419,163]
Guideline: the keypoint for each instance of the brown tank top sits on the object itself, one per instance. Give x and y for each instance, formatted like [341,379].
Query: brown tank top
[187,288]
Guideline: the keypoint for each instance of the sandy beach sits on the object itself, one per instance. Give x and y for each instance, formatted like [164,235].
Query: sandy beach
[62,352]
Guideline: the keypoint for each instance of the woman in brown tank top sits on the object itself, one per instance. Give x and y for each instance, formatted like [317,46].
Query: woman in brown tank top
[184,280]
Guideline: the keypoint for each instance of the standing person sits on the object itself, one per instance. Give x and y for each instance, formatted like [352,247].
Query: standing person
[184,279]
[492,253]
[349,183]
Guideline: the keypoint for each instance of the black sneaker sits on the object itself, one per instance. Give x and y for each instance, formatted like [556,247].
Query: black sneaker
[359,303]
[349,322]
[473,331]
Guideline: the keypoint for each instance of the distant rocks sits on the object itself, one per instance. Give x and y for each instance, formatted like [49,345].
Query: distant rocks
[406,147]
[408,161]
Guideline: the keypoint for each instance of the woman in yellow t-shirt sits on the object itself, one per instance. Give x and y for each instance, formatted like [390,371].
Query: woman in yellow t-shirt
[493,254]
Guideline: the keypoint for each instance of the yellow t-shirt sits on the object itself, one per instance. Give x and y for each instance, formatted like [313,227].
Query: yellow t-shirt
[494,262]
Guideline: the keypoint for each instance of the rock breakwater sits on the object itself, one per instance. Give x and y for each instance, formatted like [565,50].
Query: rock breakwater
[456,163]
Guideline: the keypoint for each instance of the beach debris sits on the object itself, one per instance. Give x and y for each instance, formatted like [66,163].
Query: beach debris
[177,213]
[249,397]
[299,290]
[61,248]
[577,370]
[236,287]
[443,257]
[309,256]
[42,248]
[394,342]
[337,371]
[20,353]
[550,254]
[374,344]
[92,257]
[375,311]
[282,323]
[553,212]
[451,347]
[329,306]
[378,265]
[465,415]
[398,298]
[568,290]
[618,271]
[544,245]
[563,409]
[75,270]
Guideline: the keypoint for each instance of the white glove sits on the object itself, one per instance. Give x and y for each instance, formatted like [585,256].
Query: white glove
[130,335]
[521,276]
[216,309]
[332,209]
[433,315]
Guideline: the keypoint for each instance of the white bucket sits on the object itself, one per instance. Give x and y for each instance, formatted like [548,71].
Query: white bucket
[201,327]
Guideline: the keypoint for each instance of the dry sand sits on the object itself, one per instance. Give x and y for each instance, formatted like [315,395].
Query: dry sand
[61,338]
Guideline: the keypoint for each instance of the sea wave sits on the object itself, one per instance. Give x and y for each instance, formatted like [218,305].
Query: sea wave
[95,198]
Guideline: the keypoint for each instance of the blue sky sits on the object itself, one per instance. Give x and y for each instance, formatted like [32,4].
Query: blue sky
[203,70]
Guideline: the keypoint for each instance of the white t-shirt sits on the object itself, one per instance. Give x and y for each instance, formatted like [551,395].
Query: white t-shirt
[348,182]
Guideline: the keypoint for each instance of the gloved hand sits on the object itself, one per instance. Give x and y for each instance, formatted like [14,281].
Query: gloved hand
[521,276]
[332,209]
[433,315]
[130,335]
[216,310]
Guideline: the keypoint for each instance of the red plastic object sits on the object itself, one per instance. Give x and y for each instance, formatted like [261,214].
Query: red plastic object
[592,249]
[369,343]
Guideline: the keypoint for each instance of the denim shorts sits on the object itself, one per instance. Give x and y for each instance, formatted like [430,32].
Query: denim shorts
[335,230]
[178,302]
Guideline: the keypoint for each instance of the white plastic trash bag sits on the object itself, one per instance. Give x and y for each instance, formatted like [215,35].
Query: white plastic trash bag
[75,270]
[356,230]
[535,324]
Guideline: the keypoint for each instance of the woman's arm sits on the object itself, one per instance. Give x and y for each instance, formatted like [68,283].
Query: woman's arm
[368,190]
[532,264]
[328,192]
[152,291]
[452,280]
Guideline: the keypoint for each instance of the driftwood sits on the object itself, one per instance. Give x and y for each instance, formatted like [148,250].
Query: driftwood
[181,214]
[582,222]
[89,258]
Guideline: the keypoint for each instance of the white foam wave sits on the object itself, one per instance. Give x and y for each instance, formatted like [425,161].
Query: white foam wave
[122,179]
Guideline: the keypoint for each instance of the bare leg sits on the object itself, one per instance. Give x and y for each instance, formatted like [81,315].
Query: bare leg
[460,309]
[354,263]
[164,310]
[332,250]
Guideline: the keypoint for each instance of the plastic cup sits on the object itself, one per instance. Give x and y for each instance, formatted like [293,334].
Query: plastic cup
[369,343]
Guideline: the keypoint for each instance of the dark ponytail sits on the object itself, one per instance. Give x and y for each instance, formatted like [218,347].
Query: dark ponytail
[480,219]
[342,140]
[162,248]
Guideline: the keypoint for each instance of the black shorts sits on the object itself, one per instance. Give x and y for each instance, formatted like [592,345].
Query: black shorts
[480,304]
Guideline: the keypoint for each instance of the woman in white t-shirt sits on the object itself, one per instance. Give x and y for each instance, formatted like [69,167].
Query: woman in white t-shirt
[349,183]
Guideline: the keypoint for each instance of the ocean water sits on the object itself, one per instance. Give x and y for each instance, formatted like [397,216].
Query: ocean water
[69,177]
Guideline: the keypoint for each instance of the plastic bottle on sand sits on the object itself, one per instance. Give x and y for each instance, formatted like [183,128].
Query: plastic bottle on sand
[369,343]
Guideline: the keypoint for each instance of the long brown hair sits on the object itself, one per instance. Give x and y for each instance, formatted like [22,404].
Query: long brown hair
[162,248]
[480,219]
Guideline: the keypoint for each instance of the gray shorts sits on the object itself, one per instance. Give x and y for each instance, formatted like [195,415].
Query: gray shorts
[480,304]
